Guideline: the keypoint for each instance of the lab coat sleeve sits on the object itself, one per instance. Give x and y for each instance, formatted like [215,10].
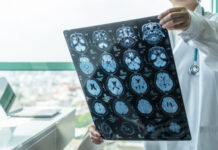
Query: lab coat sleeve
[203,34]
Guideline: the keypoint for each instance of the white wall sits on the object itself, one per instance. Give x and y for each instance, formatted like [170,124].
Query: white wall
[31,30]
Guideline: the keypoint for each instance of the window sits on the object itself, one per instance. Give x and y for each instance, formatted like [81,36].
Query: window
[32,31]
[207,4]
[32,39]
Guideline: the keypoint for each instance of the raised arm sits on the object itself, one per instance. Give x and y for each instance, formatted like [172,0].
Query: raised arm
[203,34]
[195,30]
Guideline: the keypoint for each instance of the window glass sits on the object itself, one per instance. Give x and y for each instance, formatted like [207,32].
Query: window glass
[53,89]
[207,4]
[32,31]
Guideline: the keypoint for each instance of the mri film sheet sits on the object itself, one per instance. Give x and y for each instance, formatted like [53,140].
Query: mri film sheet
[128,75]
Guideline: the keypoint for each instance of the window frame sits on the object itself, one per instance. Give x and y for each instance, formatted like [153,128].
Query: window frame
[37,66]
[215,6]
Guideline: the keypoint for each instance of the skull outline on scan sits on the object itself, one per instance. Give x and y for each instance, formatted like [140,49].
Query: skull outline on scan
[78,42]
[102,40]
[126,36]
[152,33]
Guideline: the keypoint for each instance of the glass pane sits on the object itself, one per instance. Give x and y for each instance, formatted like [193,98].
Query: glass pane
[53,89]
[32,31]
[46,88]
[207,4]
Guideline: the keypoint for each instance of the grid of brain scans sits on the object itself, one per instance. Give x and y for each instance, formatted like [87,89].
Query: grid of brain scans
[128,75]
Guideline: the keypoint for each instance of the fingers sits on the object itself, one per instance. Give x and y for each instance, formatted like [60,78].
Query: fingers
[176,9]
[175,18]
[170,17]
[97,141]
[95,135]
[173,22]
[96,138]
[178,26]
[93,131]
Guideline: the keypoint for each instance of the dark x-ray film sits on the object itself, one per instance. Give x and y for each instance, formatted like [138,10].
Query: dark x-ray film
[129,79]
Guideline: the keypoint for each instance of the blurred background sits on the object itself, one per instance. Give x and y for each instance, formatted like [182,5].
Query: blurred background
[34,56]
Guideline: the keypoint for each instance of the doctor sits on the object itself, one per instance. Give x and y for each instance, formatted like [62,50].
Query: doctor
[194,39]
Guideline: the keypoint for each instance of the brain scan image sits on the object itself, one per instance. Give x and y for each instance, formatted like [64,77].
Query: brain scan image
[78,42]
[86,65]
[158,57]
[99,108]
[93,88]
[150,128]
[108,63]
[144,106]
[132,60]
[121,108]
[129,78]
[127,128]
[152,33]
[102,40]
[164,82]
[126,36]
[169,105]
[175,128]
[115,86]
[138,84]
[106,129]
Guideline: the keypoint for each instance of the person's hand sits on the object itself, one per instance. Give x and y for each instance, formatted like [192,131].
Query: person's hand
[177,18]
[95,135]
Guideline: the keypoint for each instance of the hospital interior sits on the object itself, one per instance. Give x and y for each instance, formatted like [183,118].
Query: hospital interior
[46,99]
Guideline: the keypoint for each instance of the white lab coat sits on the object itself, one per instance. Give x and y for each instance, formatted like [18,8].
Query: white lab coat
[200,93]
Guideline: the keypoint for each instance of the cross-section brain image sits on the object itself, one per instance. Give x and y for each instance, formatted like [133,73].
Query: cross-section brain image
[144,106]
[127,128]
[152,33]
[138,84]
[121,108]
[158,57]
[108,63]
[164,82]
[93,88]
[150,128]
[86,65]
[169,105]
[132,60]
[126,36]
[99,108]
[175,128]
[102,40]
[78,42]
[106,129]
[115,86]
